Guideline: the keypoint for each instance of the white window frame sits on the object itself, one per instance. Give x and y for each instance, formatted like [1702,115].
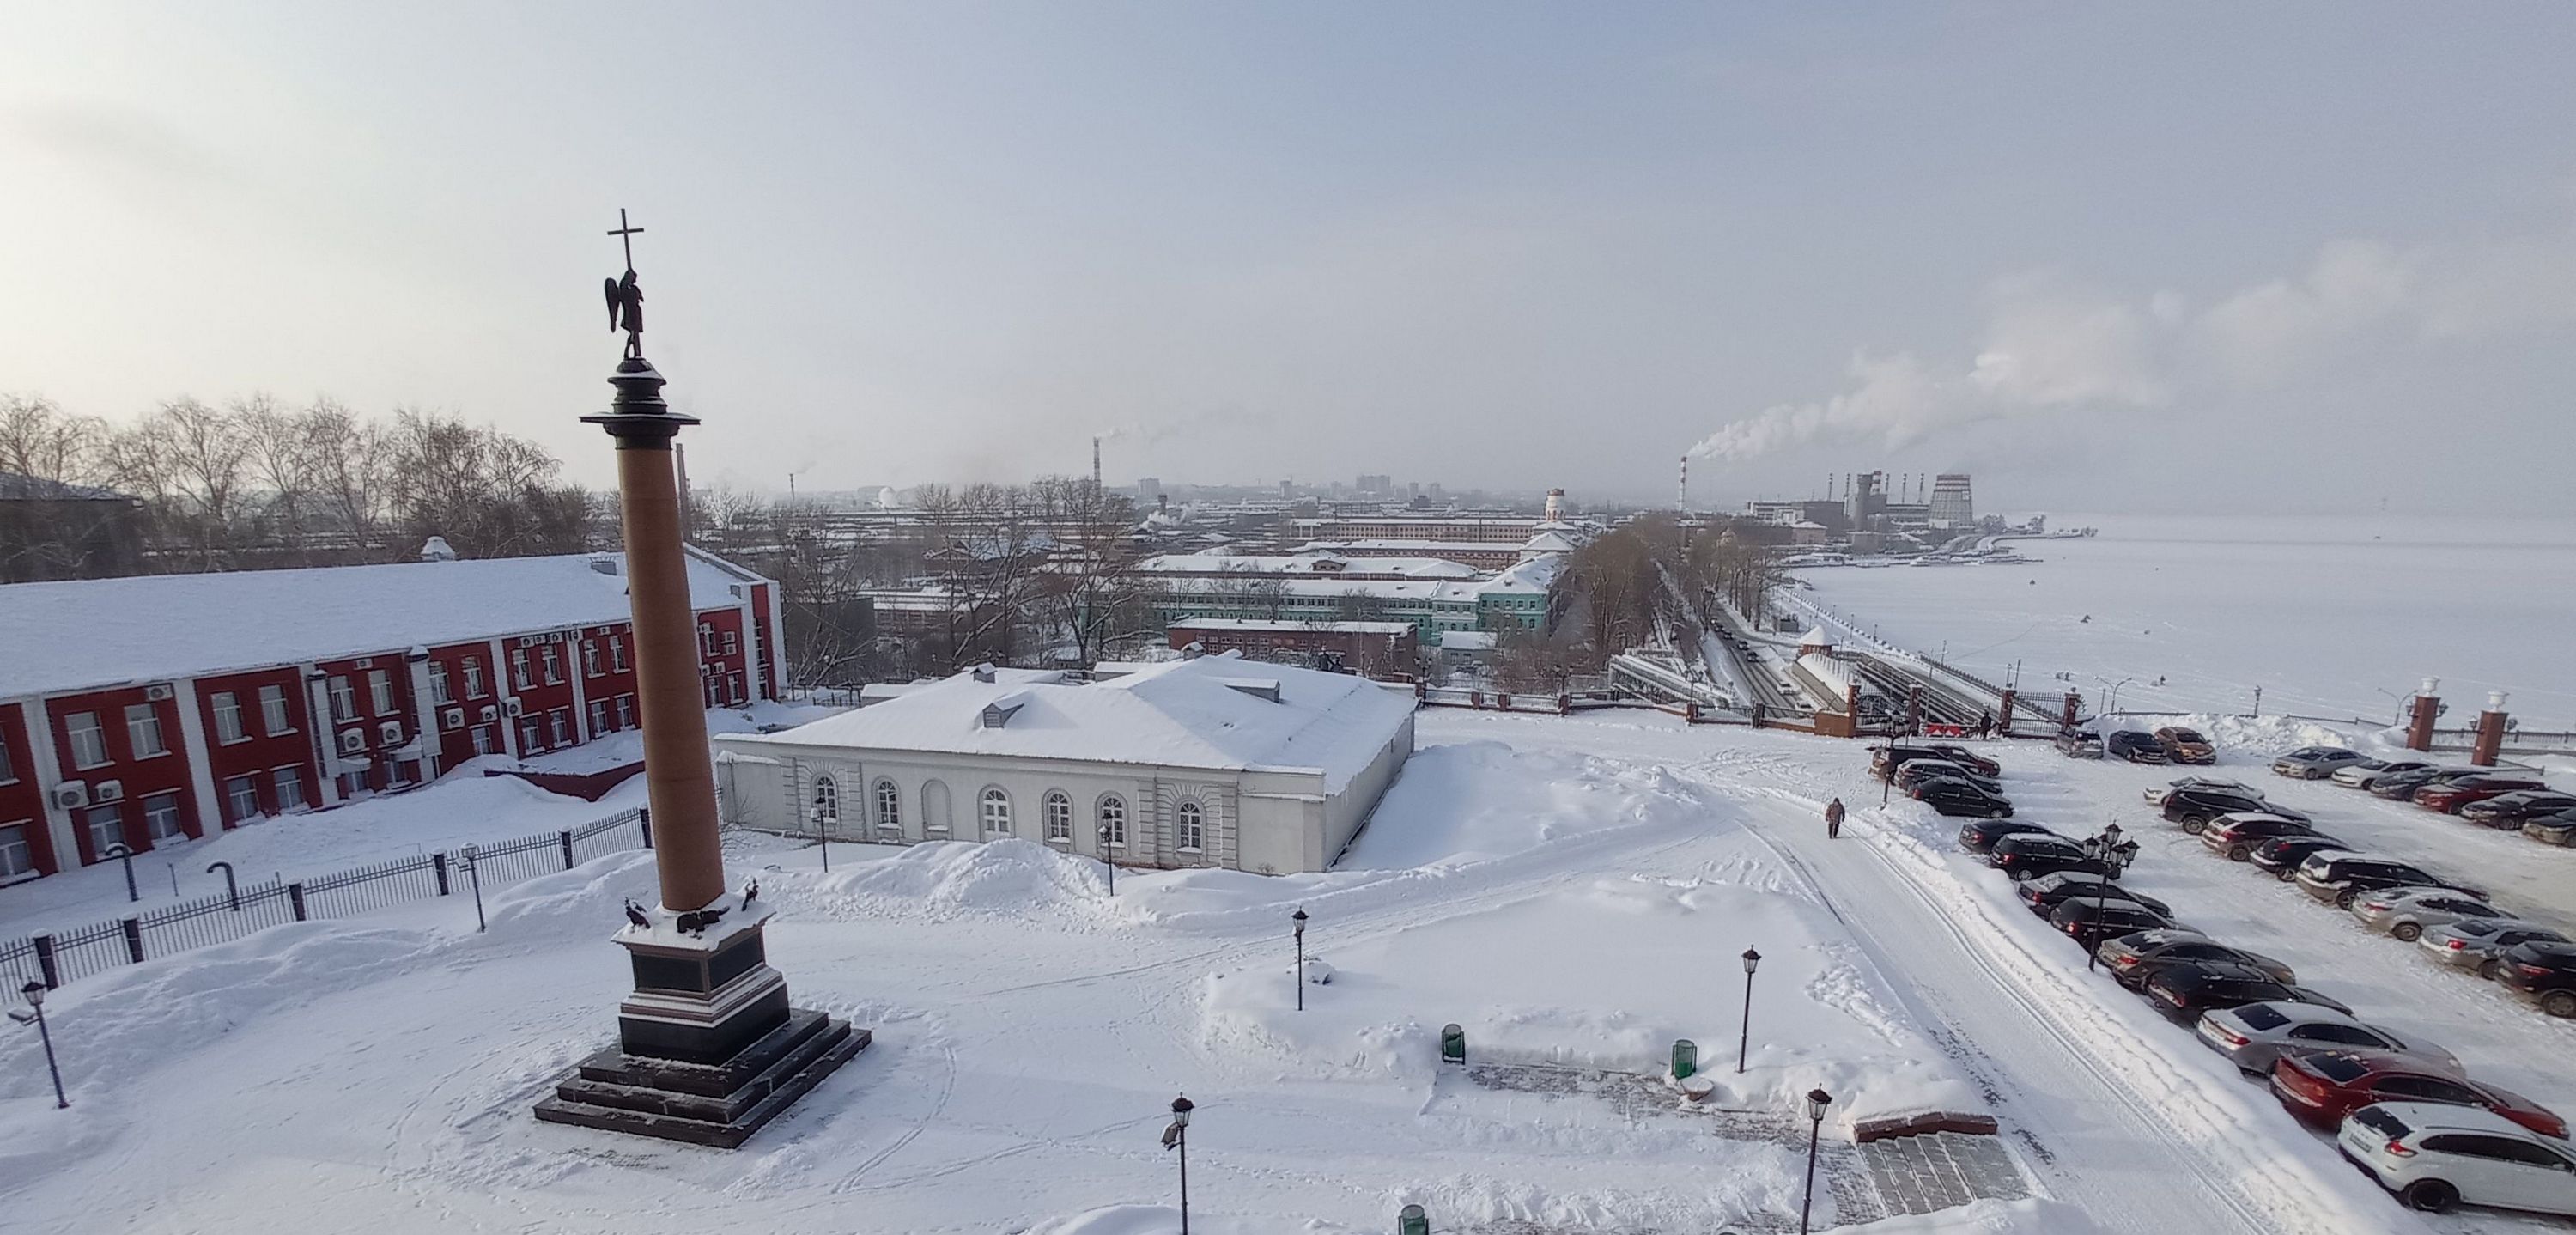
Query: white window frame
[598,717]
[589,659]
[559,719]
[1189,827]
[626,711]
[241,798]
[274,715]
[380,691]
[617,653]
[438,688]
[889,806]
[288,784]
[519,668]
[95,814]
[482,739]
[228,718]
[1112,810]
[142,720]
[1057,808]
[17,849]
[160,807]
[8,766]
[992,805]
[550,665]
[344,698]
[937,822]
[826,806]
[473,677]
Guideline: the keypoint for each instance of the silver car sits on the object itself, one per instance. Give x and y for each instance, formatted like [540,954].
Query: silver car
[2316,762]
[2360,775]
[2408,912]
[2255,1036]
[2477,943]
[2156,794]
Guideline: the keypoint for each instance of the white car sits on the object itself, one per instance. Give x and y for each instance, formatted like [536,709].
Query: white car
[2436,1156]
[2156,794]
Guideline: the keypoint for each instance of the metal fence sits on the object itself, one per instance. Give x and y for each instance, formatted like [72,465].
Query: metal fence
[64,956]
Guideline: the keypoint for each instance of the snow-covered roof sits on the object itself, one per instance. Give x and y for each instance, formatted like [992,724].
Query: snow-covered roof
[1191,713]
[91,633]
[1467,640]
[1537,574]
[1815,638]
[1551,541]
[1358,628]
[1306,564]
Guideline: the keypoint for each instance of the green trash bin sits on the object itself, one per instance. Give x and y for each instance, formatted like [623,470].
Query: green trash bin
[1685,1058]
[1453,1045]
[1412,1221]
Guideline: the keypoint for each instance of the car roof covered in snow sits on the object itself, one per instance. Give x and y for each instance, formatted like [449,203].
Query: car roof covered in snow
[95,633]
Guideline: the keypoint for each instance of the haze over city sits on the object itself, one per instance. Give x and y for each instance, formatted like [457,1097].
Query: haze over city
[2307,258]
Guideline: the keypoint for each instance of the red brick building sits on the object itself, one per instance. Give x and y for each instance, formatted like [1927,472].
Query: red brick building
[1386,651]
[143,710]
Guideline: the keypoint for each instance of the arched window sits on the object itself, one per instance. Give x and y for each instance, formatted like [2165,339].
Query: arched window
[1192,827]
[827,800]
[1059,818]
[889,807]
[1113,819]
[997,811]
[934,808]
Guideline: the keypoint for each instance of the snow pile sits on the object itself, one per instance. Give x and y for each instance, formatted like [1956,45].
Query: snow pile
[1478,801]
[946,879]
[2247,739]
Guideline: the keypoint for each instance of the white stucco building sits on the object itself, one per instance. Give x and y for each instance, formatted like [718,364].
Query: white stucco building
[1209,761]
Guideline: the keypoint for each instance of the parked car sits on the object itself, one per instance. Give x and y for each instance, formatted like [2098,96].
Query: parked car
[2544,973]
[2361,775]
[2026,856]
[2343,877]
[2256,1036]
[1955,798]
[2281,855]
[1886,759]
[2405,912]
[2079,743]
[2316,762]
[2448,796]
[2558,829]
[2434,1157]
[2401,786]
[2183,992]
[1965,757]
[2185,745]
[2156,794]
[2480,943]
[2193,807]
[2509,811]
[2133,746]
[2235,835]
[2131,965]
[2321,1087]
[2045,893]
[1920,771]
[1981,835]
[2088,922]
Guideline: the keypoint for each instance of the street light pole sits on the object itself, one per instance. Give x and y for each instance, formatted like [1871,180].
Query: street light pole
[1108,867]
[1177,1136]
[35,992]
[1299,918]
[2114,855]
[474,875]
[824,835]
[1817,1101]
[122,854]
[1744,1038]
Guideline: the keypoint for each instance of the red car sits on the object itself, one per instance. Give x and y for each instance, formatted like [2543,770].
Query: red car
[2449,796]
[2323,1087]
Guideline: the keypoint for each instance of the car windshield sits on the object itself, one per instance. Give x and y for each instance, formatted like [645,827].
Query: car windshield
[2186,735]
[2341,1069]
[2261,1016]
[2378,1120]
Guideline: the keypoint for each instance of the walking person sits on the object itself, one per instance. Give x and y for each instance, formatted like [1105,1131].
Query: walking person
[1985,726]
[1834,819]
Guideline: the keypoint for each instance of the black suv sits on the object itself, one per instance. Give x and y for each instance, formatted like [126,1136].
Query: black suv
[1981,836]
[2544,973]
[1958,754]
[2281,855]
[2193,807]
[2030,855]
[1956,798]
[2183,991]
[2089,922]
[2133,746]
[2047,892]
[2343,877]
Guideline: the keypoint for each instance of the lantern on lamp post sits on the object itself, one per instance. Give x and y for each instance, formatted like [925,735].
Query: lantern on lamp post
[1744,1038]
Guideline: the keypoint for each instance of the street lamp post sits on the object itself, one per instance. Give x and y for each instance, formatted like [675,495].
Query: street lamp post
[1817,1101]
[35,993]
[824,835]
[1108,867]
[1744,1039]
[1299,918]
[122,854]
[2115,855]
[1177,1136]
[474,876]
[232,891]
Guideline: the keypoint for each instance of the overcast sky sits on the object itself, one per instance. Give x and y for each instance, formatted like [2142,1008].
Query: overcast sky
[2106,257]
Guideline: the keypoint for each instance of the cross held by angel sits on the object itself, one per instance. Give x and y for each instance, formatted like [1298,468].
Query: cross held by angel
[625,295]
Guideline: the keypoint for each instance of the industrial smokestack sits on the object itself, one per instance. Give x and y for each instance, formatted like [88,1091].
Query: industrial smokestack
[1681,495]
[1095,464]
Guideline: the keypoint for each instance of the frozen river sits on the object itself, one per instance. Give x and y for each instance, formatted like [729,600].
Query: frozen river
[2330,617]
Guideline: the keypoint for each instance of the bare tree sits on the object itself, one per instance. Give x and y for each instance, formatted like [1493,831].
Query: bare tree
[38,439]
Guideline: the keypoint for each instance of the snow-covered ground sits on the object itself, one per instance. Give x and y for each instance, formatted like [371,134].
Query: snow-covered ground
[1567,889]
[2324,614]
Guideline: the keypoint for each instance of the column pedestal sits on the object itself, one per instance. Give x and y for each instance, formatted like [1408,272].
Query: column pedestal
[708,1049]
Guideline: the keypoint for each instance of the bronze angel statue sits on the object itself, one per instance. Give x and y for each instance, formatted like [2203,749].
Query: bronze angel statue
[626,310]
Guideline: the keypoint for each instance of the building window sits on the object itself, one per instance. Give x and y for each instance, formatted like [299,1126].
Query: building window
[482,739]
[589,659]
[889,807]
[827,800]
[598,717]
[732,643]
[438,683]
[272,711]
[473,677]
[996,810]
[106,826]
[734,683]
[17,852]
[617,653]
[1059,818]
[934,807]
[228,717]
[8,770]
[241,799]
[289,786]
[161,818]
[1192,828]
[529,736]
[380,691]
[706,639]
[143,731]
[1113,819]
[344,699]
[626,711]
[519,667]
[553,667]
[561,719]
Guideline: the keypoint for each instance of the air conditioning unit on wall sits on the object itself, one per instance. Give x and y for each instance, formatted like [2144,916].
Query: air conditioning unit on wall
[454,718]
[489,712]
[70,795]
[511,707]
[160,692]
[108,791]
[353,741]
